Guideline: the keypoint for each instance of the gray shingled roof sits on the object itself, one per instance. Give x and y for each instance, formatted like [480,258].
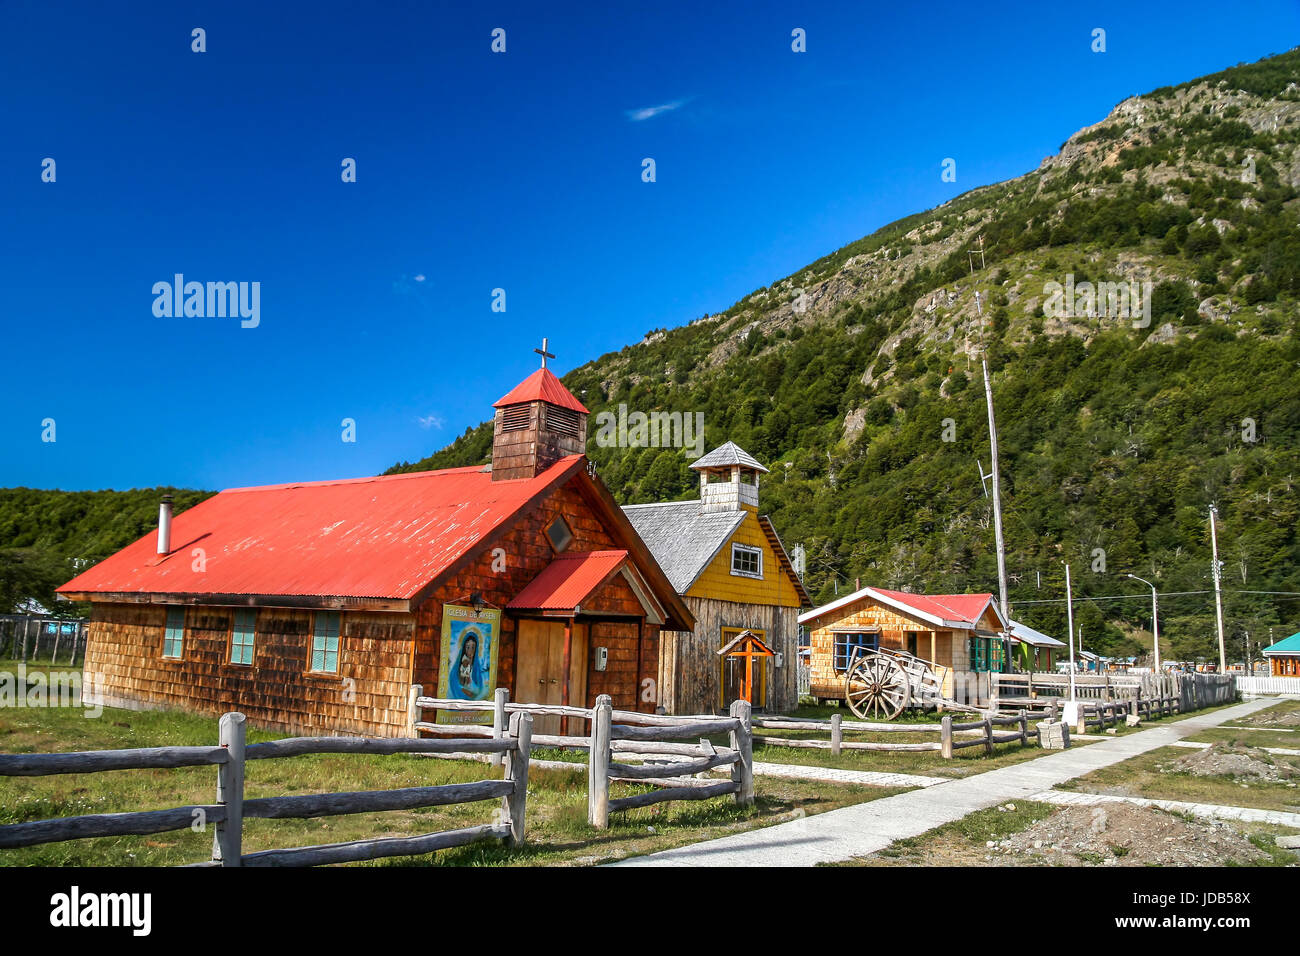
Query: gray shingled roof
[728,454]
[682,540]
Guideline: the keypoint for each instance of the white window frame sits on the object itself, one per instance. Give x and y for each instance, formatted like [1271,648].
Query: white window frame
[747,549]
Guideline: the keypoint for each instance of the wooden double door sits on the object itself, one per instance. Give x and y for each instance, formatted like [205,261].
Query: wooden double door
[539,669]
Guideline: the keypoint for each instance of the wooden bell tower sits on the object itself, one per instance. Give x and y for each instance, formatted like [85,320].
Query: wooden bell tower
[537,423]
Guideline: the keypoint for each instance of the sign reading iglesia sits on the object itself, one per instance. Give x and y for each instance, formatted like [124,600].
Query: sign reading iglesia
[468,665]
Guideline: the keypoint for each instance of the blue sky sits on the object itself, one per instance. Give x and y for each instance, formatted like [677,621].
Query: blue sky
[475,171]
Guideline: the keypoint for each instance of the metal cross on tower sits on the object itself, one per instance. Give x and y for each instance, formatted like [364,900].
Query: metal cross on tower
[543,353]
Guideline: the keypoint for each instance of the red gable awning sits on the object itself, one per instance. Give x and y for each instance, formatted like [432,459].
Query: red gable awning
[568,581]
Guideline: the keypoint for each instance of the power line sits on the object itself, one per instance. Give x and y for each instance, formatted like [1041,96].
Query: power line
[1162,594]
[1112,597]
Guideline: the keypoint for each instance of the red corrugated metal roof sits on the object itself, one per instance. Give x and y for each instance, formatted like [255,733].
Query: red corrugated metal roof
[384,537]
[952,607]
[568,581]
[543,385]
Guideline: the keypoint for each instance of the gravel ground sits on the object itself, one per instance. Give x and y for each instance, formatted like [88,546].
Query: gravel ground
[1243,763]
[1119,835]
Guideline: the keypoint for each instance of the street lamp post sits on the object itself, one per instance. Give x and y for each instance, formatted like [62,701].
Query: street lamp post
[1155,618]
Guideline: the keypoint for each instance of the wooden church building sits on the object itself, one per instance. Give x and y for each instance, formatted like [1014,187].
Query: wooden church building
[313,607]
[729,565]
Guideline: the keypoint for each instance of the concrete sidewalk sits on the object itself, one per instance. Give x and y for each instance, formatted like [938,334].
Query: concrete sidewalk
[867,827]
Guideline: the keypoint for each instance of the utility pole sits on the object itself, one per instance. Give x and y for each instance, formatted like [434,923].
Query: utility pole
[1069,615]
[997,506]
[1155,618]
[1218,594]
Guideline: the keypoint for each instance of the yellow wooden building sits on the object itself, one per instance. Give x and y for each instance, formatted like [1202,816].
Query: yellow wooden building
[729,565]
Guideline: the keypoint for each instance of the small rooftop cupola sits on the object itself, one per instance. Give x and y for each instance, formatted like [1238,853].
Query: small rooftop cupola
[728,479]
[537,423]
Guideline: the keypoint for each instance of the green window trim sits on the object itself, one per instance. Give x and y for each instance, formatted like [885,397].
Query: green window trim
[243,636]
[987,655]
[325,643]
[174,633]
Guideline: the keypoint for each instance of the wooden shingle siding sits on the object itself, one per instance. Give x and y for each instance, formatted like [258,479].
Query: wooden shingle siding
[951,647]
[276,691]
[527,552]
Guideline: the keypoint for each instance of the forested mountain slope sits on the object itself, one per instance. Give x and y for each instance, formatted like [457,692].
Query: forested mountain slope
[847,377]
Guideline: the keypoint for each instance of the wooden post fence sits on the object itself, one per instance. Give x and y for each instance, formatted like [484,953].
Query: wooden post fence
[742,741]
[231,807]
[500,698]
[598,763]
[228,839]
[515,803]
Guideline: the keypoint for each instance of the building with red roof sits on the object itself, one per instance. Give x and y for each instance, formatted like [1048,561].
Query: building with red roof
[315,606]
[962,637]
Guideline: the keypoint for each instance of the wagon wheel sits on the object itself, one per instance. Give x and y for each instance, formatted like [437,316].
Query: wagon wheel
[876,687]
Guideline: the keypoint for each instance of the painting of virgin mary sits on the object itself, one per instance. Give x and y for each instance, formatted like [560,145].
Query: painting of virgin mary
[467,672]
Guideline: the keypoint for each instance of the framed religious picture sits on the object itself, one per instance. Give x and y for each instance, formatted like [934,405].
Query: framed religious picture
[467,667]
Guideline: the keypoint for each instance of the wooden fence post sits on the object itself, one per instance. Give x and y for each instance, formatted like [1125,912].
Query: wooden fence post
[837,734]
[413,711]
[1024,729]
[988,736]
[742,741]
[598,763]
[58,633]
[26,621]
[945,738]
[228,840]
[515,804]
[499,700]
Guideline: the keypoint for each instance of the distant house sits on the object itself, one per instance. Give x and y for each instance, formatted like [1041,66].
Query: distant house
[728,564]
[1284,657]
[1034,650]
[961,635]
[315,606]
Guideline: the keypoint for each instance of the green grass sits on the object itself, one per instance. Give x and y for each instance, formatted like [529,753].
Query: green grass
[557,829]
[964,763]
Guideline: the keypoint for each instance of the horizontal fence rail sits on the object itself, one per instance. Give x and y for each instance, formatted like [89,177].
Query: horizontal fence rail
[673,778]
[665,761]
[227,813]
[945,731]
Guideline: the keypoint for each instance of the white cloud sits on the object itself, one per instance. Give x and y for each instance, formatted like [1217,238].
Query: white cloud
[648,112]
[430,421]
[420,277]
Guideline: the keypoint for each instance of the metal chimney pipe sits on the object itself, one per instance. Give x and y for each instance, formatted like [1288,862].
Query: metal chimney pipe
[165,525]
